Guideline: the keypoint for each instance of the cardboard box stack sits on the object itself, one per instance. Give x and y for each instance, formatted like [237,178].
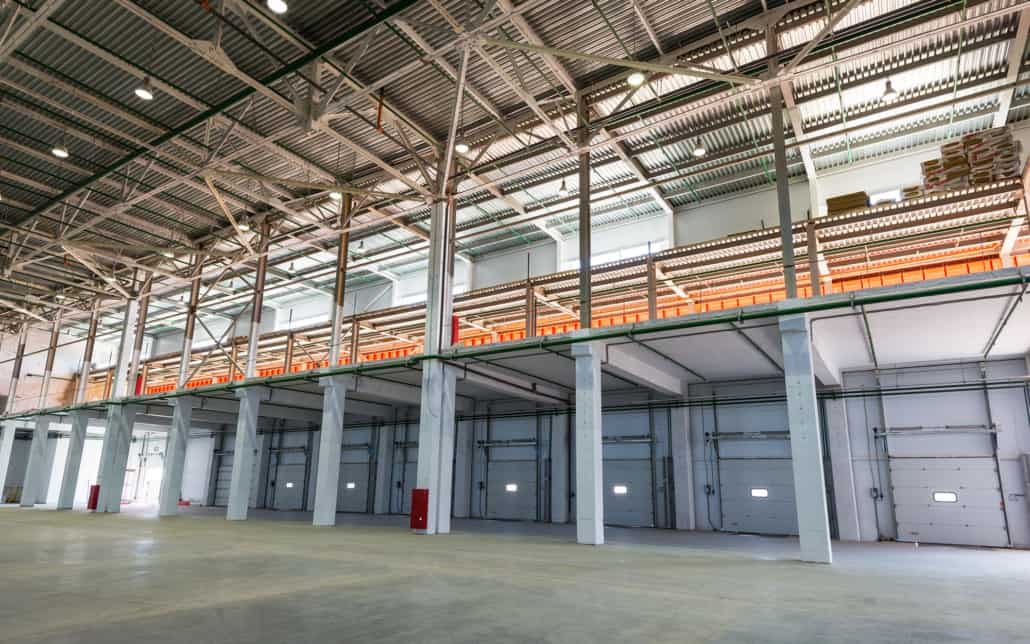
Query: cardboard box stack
[976,159]
[844,203]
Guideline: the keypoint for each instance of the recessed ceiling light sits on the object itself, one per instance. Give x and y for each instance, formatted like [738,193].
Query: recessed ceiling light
[277,6]
[889,93]
[144,91]
[59,151]
[636,79]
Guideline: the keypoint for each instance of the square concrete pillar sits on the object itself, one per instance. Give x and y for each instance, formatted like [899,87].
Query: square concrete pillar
[462,468]
[682,469]
[114,456]
[589,447]
[244,453]
[175,456]
[384,466]
[805,446]
[436,443]
[838,438]
[36,472]
[330,447]
[73,460]
[7,432]
[560,469]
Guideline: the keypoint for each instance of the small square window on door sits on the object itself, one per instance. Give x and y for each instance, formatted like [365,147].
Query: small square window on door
[945,497]
[760,493]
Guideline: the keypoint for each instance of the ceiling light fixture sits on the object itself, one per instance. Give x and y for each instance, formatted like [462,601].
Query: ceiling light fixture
[277,6]
[636,79]
[563,190]
[60,150]
[889,93]
[699,149]
[167,253]
[244,227]
[461,146]
[145,91]
[336,195]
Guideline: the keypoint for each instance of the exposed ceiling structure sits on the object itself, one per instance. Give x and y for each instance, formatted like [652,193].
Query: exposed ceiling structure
[137,134]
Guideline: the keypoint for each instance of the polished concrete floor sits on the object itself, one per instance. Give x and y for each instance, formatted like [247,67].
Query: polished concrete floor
[75,577]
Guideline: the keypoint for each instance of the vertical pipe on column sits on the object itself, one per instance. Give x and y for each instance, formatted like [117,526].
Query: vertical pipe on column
[583,141]
[191,322]
[87,354]
[336,325]
[51,353]
[530,310]
[652,288]
[782,178]
[19,355]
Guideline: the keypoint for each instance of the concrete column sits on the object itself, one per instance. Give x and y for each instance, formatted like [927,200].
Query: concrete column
[805,448]
[73,461]
[682,468]
[35,471]
[327,476]
[114,456]
[462,468]
[560,469]
[585,253]
[838,438]
[10,428]
[589,475]
[175,456]
[244,452]
[436,443]
[381,503]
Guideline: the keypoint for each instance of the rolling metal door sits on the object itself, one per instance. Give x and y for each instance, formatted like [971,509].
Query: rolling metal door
[627,492]
[404,468]
[757,495]
[511,490]
[356,460]
[288,471]
[512,469]
[943,468]
[948,500]
[755,473]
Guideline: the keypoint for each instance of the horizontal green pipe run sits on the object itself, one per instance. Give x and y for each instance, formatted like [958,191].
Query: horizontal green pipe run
[628,331]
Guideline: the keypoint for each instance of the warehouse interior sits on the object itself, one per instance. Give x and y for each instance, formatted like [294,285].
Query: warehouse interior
[459,319]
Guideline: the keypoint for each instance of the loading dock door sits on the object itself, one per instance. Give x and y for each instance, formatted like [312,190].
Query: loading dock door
[627,491]
[757,495]
[355,467]
[511,487]
[943,472]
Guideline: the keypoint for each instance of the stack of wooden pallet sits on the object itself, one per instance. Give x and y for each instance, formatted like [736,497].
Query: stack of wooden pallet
[976,159]
[846,203]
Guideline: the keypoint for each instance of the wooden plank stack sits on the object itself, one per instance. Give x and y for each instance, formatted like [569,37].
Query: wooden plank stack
[976,159]
[846,203]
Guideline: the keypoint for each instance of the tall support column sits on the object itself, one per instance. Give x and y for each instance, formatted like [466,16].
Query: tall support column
[790,281]
[652,288]
[10,427]
[462,468]
[327,476]
[583,141]
[37,474]
[531,310]
[805,446]
[175,456]
[589,475]
[141,327]
[436,412]
[80,419]
[182,408]
[245,451]
[114,456]
[245,448]
[384,465]
[560,469]
[682,468]
[336,316]
[35,470]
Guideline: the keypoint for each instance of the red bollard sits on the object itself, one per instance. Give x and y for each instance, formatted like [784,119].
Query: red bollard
[94,497]
[419,508]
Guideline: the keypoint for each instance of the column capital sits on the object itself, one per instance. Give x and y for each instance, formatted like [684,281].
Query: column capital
[253,391]
[583,349]
[337,380]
